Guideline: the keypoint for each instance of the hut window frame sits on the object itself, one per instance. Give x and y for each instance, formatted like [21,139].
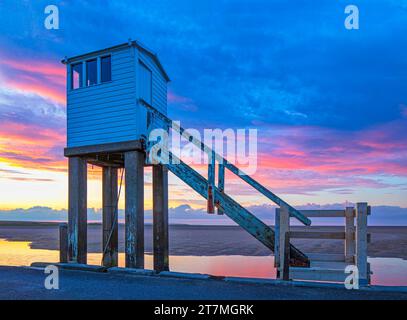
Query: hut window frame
[91,72]
[77,75]
[109,68]
[80,72]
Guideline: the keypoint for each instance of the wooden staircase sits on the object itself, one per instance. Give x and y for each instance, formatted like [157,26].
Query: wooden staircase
[291,262]
[215,194]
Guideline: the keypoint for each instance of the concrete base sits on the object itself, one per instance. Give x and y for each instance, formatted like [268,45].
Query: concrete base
[197,276]
[70,266]
[139,272]
[183,275]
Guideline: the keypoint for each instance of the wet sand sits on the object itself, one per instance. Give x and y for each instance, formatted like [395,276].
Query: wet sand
[208,240]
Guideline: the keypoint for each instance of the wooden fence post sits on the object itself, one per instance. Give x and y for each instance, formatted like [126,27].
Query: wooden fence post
[63,243]
[349,235]
[361,242]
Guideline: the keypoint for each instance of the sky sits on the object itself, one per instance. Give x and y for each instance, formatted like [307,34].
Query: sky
[329,104]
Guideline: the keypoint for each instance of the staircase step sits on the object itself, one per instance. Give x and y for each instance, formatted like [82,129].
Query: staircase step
[318,274]
[326,257]
[329,264]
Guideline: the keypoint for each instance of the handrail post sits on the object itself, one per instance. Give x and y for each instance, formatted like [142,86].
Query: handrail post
[221,183]
[211,182]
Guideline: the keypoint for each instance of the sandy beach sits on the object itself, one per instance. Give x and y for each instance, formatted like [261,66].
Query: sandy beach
[208,240]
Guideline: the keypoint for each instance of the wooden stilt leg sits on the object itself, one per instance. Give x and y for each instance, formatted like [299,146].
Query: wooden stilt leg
[134,207]
[110,218]
[77,212]
[160,218]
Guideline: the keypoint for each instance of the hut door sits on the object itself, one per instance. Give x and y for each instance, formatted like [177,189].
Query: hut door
[145,83]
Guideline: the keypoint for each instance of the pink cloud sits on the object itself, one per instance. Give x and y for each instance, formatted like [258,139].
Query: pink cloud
[34,86]
[43,78]
[38,67]
[306,158]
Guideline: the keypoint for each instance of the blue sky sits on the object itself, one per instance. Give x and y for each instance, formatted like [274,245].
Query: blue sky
[330,104]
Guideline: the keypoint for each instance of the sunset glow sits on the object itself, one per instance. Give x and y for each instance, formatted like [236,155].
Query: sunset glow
[322,137]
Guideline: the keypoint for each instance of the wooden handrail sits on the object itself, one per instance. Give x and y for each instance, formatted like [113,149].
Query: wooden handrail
[323,213]
[256,185]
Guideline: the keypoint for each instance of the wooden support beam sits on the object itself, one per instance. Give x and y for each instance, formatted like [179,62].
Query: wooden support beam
[77,212]
[105,148]
[110,243]
[349,235]
[160,218]
[134,209]
[361,242]
[221,183]
[63,243]
[104,164]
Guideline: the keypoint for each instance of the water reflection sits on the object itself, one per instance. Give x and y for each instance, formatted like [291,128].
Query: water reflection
[386,271]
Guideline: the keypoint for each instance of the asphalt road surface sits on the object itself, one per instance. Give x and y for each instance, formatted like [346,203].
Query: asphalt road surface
[25,283]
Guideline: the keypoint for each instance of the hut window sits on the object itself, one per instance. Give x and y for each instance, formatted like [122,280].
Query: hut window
[106,69]
[76,75]
[91,72]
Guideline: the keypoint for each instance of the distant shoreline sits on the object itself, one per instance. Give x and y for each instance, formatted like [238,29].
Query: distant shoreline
[57,223]
[212,240]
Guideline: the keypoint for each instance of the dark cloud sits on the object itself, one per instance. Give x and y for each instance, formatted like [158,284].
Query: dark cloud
[249,60]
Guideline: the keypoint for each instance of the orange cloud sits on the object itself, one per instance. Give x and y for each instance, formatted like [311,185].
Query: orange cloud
[34,87]
[32,146]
